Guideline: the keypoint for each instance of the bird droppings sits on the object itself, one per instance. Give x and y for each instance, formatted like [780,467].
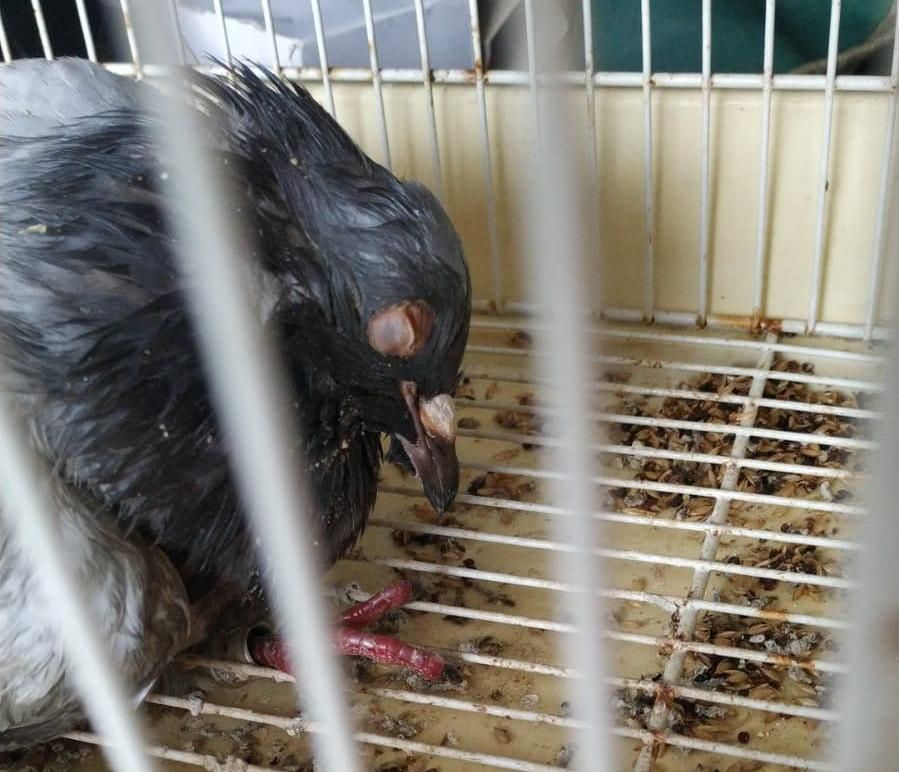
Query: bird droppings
[693,473]
[504,456]
[521,339]
[519,421]
[196,700]
[502,735]
[795,558]
[464,390]
[705,722]
[378,720]
[797,684]
[450,740]
[59,756]
[447,547]
[501,485]
[564,756]
[454,680]
[425,514]
[486,645]
[467,422]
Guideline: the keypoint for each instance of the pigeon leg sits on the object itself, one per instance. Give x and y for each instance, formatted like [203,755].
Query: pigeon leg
[368,611]
[384,650]
[272,651]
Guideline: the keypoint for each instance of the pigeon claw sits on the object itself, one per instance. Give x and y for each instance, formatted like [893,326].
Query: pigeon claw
[349,640]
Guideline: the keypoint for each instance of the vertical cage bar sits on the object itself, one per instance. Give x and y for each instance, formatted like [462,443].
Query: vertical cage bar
[884,196]
[761,235]
[534,87]
[86,32]
[28,512]
[866,738]
[684,624]
[132,37]
[824,184]
[704,181]
[250,396]
[648,193]
[176,26]
[4,41]
[428,82]
[376,79]
[322,47]
[593,156]
[223,23]
[41,23]
[480,79]
[270,33]
[556,236]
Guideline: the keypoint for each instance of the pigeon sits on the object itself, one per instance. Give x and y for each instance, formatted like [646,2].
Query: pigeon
[360,278]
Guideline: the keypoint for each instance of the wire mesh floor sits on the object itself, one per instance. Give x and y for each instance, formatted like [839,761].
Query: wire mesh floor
[730,474]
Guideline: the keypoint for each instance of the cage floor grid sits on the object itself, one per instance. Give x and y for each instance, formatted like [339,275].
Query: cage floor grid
[730,474]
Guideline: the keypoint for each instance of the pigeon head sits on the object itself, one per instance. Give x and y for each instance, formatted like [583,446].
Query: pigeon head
[402,319]
[374,294]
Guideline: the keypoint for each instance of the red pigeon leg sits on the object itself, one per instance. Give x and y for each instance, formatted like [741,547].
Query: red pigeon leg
[384,650]
[272,651]
[368,611]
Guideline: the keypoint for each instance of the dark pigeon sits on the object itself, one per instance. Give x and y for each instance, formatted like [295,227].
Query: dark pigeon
[359,276]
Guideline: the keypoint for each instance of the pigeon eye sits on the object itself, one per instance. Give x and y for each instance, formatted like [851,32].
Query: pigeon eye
[401,330]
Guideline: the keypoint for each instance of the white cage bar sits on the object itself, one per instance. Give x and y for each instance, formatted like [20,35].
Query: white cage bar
[176,28]
[4,41]
[226,42]
[322,47]
[648,192]
[592,155]
[761,238]
[270,34]
[559,241]
[824,182]
[128,20]
[885,195]
[42,28]
[705,162]
[427,81]
[376,80]
[493,238]
[86,32]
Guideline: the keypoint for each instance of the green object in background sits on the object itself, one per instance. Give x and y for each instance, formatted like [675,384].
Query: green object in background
[801,29]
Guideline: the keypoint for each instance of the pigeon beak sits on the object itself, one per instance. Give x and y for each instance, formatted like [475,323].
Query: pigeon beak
[433,454]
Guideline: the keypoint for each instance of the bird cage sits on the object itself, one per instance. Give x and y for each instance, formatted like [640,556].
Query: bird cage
[683,288]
